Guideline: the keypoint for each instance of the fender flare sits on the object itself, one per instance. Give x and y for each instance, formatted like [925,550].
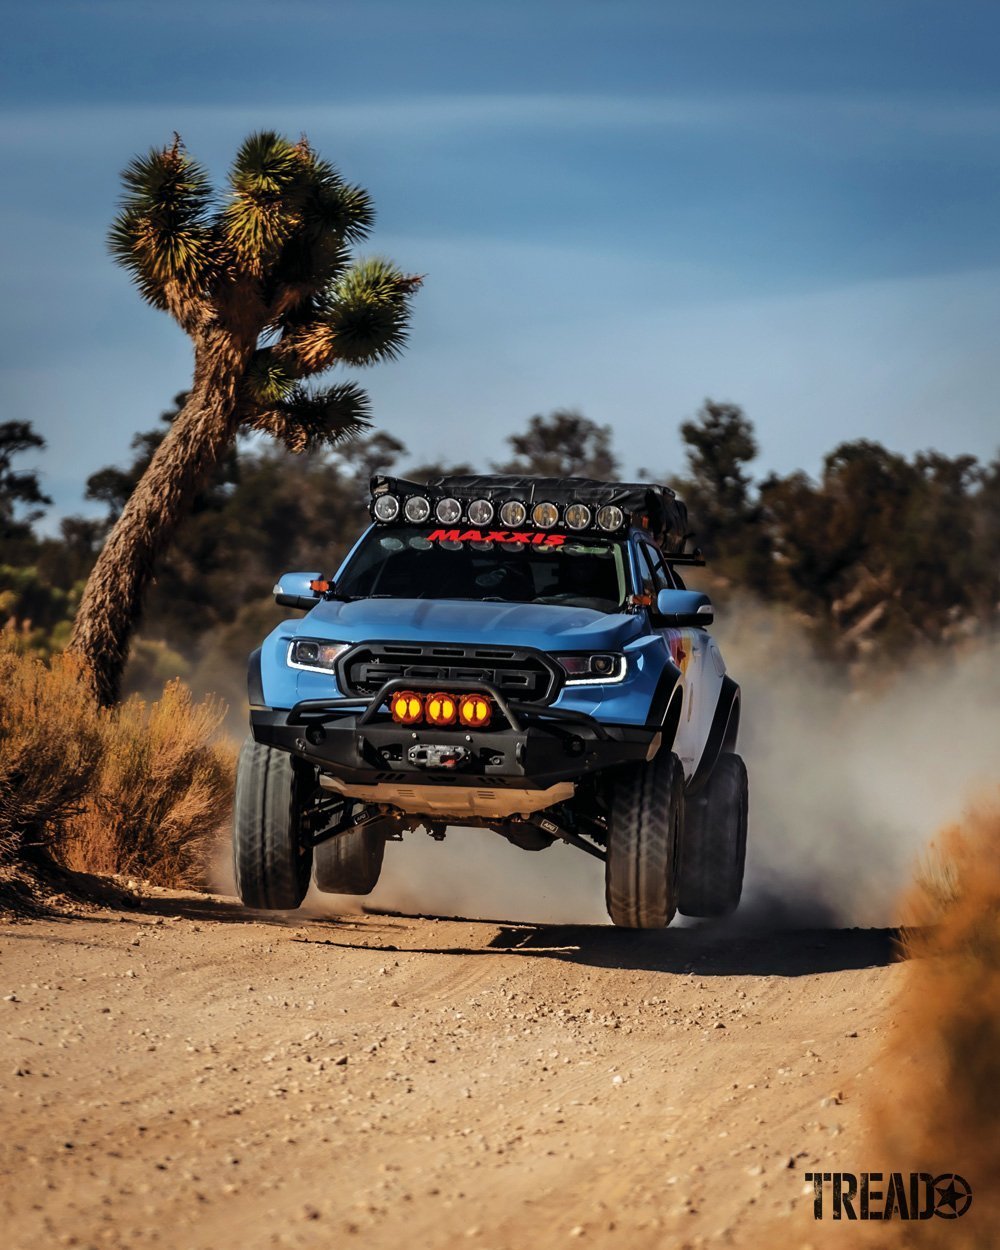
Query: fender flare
[255,680]
[722,735]
[665,706]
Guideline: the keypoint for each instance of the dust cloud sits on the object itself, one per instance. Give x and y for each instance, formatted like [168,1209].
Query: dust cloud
[850,781]
[848,784]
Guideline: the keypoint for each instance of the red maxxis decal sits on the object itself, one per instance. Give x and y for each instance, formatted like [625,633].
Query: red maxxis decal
[496,536]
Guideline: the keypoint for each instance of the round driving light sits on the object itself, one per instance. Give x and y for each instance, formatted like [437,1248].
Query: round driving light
[545,515]
[417,509]
[611,517]
[475,711]
[386,508]
[480,512]
[513,513]
[441,709]
[407,707]
[448,511]
[578,516]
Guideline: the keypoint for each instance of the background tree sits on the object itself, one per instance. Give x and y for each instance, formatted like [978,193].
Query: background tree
[19,488]
[563,444]
[264,285]
[724,512]
[720,443]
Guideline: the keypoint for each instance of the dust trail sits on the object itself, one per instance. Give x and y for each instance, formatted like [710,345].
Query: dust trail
[847,786]
[477,874]
[937,1092]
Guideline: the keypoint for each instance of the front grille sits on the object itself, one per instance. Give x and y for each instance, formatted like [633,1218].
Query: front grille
[518,673]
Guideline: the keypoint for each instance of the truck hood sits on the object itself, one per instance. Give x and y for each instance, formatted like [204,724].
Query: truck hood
[547,627]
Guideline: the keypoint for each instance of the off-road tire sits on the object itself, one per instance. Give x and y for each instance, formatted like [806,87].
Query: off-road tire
[272,862]
[350,863]
[714,847]
[647,826]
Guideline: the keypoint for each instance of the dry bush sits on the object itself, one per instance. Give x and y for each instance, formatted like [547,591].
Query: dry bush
[942,1105]
[51,745]
[161,795]
[140,790]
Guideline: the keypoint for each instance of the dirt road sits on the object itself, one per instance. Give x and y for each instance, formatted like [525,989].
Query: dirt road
[183,1074]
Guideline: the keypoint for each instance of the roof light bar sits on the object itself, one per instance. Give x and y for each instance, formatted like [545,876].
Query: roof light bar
[480,512]
[515,502]
[578,516]
[417,509]
[386,508]
[448,510]
[513,513]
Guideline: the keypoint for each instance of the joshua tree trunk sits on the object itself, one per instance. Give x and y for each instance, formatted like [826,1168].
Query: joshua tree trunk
[184,461]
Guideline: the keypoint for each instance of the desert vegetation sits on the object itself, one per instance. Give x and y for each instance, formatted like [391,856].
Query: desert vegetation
[139,790]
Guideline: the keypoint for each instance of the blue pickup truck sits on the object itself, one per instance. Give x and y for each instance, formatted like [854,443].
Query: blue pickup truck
[514,653]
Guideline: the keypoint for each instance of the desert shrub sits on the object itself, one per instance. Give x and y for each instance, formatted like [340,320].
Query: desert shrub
[140,790]
[161,793]
[51,745]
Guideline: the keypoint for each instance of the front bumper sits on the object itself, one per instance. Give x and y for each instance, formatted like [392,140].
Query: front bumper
[357,742]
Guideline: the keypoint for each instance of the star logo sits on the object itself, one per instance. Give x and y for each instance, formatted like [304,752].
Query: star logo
[953,1195]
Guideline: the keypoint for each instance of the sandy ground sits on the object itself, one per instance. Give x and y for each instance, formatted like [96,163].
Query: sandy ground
[185,1074]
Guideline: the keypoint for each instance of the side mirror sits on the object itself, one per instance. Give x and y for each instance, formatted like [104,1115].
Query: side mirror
[295,590]
[684,607]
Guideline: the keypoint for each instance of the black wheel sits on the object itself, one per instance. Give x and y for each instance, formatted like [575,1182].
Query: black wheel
[647,825]
[350,863]
[271,861]
[714,847]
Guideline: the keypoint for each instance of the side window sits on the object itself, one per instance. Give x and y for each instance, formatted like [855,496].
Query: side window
[658,571]
[649,586]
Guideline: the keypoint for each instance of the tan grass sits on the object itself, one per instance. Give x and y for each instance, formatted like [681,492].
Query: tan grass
[141,790]
[161,795]
[51,745]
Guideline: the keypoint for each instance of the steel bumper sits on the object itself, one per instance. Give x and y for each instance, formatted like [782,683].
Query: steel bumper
[353,739]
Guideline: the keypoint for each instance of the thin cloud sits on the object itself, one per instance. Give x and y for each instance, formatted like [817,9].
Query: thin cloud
[864,118]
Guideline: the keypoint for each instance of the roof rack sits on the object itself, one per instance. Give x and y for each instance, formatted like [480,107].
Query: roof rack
[577,504]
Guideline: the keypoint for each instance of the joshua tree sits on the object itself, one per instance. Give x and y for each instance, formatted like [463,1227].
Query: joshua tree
[263,283]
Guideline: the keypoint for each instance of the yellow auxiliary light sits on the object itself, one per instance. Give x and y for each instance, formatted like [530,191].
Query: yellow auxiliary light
[441,709]
[407,707]
[475,711]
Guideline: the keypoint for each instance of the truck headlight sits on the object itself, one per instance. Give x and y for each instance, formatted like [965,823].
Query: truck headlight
[315,654]
[592,669]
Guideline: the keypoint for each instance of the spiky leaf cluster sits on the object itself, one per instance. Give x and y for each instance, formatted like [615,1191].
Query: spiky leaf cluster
[270,259]
[308,419]
[164,234]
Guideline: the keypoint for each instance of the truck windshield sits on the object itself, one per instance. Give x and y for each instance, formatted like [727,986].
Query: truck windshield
[414,562]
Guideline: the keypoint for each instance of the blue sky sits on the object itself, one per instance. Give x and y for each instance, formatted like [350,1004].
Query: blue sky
[622,207]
